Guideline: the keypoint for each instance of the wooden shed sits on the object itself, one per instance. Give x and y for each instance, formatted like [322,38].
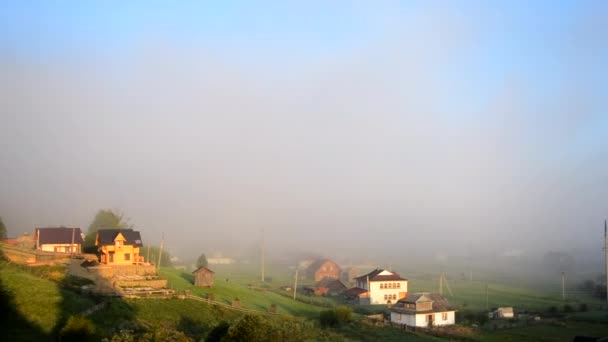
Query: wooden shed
[203,277]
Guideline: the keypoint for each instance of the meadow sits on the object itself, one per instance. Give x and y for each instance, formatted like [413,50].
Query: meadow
[41,299]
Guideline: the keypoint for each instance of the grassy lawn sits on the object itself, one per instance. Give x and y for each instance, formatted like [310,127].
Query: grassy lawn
[252,298]
[472,295]
[548,332]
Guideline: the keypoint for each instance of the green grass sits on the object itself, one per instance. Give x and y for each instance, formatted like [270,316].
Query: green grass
[547,332]
[42,303]
[252,298]
[472,295]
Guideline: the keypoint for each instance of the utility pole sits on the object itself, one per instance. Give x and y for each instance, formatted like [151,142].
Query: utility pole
[441,284]
[563,285]
[262,256]
[72,245]
[160,251]
[295,285]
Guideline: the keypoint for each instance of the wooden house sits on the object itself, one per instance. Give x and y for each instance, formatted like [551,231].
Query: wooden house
[203,277]
[423,310]
[59,240]
[119,246]
[323,268]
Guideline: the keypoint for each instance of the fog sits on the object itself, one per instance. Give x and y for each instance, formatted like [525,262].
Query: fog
[433,135]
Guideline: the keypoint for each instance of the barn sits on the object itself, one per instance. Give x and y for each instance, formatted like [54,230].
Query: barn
[203,277]
[323,268]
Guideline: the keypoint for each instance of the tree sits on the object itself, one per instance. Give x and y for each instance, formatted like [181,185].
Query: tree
[2,229]
[202,261]
[105,219]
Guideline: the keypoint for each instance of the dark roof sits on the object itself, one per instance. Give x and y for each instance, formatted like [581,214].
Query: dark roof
[374,276]
[440,304]
[355,291]
[202,268]
[107,236]
[333,284]
[59,235]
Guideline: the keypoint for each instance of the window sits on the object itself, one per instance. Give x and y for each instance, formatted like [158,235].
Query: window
[399,317]
[386,297]
[127,256]
[398,285]
[444,316]
[428,318]
[118,244]
[394,296]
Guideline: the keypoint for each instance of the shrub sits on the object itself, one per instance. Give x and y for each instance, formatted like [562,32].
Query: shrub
[568,308]
[334,317]
[343,314]
[552,310]
[218,333]
[249,328]
[583,307]
[78,328]
[328,318]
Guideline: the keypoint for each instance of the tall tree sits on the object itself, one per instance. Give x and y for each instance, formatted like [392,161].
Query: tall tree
[202,261]
[2,229]
[105,219]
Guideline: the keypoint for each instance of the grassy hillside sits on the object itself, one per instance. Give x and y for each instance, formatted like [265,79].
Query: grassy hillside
[38,300]
[253,298]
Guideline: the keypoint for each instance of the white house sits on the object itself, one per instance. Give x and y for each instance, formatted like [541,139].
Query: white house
[379,287]
[61,240]
[422,310]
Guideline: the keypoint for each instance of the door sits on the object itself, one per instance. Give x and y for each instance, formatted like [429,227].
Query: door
[111,257]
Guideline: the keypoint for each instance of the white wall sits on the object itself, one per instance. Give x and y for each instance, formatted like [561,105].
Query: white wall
[409,320]
[61,248]
[377,294]
[419,320]
[437,319]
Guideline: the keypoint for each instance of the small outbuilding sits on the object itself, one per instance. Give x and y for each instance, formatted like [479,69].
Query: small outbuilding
[503,312]
[203,277]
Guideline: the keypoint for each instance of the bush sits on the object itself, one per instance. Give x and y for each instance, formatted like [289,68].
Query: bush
[77,328]
[249,328]
[218,333]
[583,307]
[568,308]
[328,318]
[334,317]
[344,314]
[552,310]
